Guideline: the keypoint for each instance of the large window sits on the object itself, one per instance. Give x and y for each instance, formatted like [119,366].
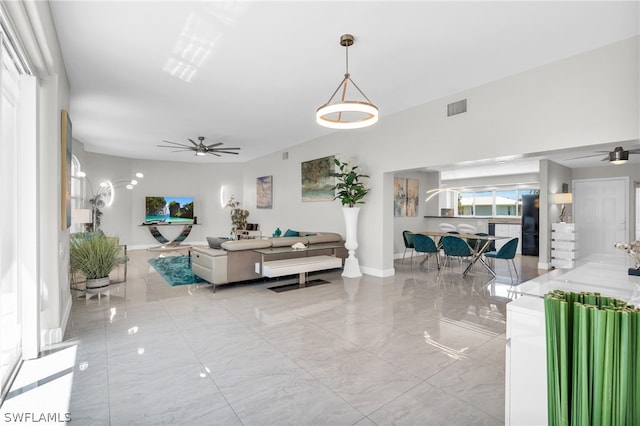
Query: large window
[496,202]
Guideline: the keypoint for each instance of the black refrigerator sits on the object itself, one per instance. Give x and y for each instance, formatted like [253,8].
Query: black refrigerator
[530,224]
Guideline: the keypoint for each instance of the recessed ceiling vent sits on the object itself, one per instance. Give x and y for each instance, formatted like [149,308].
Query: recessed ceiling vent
[457,108]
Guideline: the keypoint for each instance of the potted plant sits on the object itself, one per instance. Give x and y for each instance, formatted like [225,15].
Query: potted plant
[94,255]
[350,189]
[238,216]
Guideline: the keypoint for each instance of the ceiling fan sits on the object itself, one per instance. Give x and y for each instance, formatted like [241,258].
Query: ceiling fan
[200,148]
[618,156]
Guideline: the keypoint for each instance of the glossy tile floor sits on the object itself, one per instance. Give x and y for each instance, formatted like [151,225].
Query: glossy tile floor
[423,347]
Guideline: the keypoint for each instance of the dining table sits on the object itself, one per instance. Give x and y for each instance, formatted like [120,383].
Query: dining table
[477,252]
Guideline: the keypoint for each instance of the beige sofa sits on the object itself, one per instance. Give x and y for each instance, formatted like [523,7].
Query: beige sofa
[237,260]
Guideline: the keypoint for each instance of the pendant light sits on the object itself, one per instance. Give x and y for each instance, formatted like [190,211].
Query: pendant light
[347,114]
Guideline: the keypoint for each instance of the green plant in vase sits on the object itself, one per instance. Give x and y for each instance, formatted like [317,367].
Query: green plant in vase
[94,255]
[349,186]
[350,190]
[238,216]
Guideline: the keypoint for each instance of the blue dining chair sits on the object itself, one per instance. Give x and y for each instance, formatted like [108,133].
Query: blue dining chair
[407,236]
[506,252]
[456,247]
[424,244]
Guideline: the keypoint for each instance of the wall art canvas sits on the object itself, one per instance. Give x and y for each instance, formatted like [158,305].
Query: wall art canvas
[264,192]
[65,170]
[399,196]
[317,182]
[413,191]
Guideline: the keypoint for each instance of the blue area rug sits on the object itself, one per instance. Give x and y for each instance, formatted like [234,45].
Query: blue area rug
[176,270]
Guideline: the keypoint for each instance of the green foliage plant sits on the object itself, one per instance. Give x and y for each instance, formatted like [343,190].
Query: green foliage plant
[93,254]
[349,186]
[238,216]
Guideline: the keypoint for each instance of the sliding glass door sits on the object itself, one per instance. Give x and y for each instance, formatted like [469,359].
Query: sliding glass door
[10,302]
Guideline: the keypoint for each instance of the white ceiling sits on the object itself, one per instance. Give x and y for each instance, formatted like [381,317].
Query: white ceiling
[251,74]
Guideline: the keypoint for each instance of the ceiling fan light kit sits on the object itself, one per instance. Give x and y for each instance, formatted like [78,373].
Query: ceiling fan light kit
[347,114]
[200,148]
[618,156]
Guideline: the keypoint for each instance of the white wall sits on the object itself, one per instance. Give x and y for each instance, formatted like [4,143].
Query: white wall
[162,178]
[588,99]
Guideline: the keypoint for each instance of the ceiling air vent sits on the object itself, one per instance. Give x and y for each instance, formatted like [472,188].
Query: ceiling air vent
[457,108]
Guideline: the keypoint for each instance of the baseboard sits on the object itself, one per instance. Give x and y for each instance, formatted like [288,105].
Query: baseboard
[382,273]
[53,336]
[544,265]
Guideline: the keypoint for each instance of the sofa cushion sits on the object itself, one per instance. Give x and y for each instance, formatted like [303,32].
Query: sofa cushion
[291,233]
[248,244]
[288,241]
[324,237]
[216,242]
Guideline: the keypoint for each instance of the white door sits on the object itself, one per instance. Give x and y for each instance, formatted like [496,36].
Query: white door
[601,214]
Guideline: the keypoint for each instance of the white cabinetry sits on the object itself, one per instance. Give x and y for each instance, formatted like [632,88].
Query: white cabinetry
[510,231]
[563,245]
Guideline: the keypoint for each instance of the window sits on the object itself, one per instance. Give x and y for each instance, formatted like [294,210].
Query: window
[503,202]
[77,192]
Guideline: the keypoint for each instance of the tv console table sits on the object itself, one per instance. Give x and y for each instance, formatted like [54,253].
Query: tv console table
[166,243]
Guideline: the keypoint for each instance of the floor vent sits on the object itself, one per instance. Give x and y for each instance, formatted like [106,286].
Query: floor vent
[456,107]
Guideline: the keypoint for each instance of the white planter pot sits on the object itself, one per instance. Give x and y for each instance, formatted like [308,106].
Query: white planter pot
[97,284]
[351,265]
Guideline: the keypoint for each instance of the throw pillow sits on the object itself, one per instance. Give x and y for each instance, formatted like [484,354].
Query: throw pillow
[215,242]
[291,233]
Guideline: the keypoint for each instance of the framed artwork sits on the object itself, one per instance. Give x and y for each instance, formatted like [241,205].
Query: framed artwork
[399,197]
[65,170]
[264,192]
[317,182]
[413,191]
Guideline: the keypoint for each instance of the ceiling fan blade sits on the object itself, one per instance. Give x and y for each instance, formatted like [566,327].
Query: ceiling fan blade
[194,144]
[217,149]
[213,153]
[223,152]
[213,145]
[634,151]
[584,156]
[176,143]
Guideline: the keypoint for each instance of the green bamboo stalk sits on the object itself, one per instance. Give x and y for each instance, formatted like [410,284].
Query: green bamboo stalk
[598,364]
[582,414]
[549,308]
[635,377]
[623,372]
[607,381]
[565,367]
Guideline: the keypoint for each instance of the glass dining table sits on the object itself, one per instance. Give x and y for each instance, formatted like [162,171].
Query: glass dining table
[484,242]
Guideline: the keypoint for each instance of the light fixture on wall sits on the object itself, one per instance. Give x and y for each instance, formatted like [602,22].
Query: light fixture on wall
[563,198]
[618,156]
[347,114]
[104,196]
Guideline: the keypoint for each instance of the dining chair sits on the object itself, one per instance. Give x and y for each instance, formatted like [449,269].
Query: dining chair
[476,244]
[407,236]
[424,244]
[456,247]
[506,252]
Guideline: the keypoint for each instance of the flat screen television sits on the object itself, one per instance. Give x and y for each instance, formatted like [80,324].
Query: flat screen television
[168,210]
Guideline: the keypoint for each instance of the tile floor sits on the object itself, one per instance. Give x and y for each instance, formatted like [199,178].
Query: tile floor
[422,347]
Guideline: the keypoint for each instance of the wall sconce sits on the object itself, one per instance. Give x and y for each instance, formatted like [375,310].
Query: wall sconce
[563,198]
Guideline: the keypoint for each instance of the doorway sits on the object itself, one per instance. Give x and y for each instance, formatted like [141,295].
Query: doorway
[601,214]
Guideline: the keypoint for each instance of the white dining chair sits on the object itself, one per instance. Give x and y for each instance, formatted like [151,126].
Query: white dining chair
[447,227]
[465,228]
